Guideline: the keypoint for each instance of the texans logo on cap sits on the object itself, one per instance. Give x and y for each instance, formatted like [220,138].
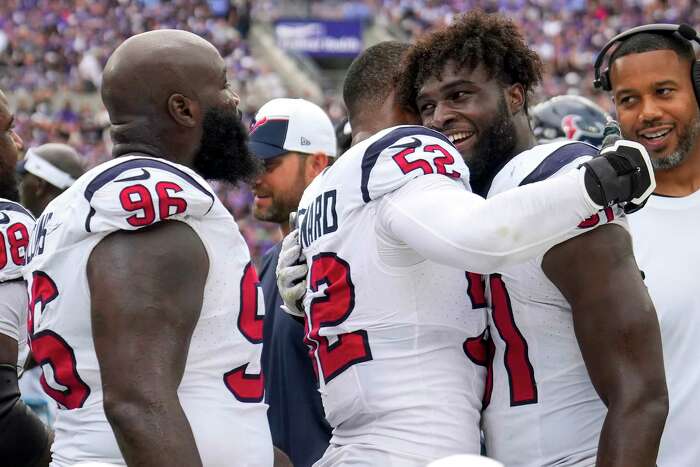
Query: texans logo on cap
[254,126]
[268,136]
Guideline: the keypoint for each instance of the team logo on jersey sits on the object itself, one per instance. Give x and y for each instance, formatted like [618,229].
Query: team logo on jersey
[416,143]
[574,128]
[144,175]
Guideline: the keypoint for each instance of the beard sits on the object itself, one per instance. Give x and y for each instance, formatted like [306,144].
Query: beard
[283,202]
[279,209]
[8,181]
[223,150]
[686,141]
[493,149]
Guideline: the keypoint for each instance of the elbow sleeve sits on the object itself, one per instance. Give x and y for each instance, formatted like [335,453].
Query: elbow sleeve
[23,437]
[449,225]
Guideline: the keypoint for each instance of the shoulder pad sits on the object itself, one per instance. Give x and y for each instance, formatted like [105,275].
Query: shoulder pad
[540,163]
[16,224]
[395,157]
[141,191]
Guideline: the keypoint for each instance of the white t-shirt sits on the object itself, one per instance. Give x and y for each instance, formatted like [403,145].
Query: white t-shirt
[665,236]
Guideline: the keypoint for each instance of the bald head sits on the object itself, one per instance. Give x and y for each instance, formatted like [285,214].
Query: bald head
[148,68]
[168,96]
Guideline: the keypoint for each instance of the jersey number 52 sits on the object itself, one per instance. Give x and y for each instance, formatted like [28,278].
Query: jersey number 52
[331,275]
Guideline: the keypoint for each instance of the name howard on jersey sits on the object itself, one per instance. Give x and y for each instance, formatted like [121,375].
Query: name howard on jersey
[371,169]
[319,218]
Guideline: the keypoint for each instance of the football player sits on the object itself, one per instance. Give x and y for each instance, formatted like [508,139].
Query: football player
[658,107]
[387,233]
[24,440]
[145,310]
[575,369]
[568,117]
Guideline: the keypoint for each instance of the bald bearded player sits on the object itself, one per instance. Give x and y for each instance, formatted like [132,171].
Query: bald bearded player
[143,299]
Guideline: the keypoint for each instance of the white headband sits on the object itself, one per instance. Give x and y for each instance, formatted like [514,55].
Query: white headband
[44,169]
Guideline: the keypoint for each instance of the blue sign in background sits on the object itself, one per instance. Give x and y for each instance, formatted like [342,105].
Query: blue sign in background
[320,38]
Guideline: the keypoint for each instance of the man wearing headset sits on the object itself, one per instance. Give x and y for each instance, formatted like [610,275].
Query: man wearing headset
[650,75]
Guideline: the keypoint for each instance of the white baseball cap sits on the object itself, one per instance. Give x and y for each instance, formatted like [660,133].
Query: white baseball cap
[291,125]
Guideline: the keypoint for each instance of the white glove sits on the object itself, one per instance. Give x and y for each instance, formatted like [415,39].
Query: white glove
[291,275]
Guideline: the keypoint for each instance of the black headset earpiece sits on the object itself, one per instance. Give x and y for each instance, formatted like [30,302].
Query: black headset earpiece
[602,77]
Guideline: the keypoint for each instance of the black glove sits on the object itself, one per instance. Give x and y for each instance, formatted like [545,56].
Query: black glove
[621,174]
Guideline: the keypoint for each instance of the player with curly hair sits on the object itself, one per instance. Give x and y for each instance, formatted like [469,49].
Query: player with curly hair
[576,356]
[386,235]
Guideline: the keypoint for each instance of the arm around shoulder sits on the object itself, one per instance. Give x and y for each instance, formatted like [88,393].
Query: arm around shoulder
[448,224]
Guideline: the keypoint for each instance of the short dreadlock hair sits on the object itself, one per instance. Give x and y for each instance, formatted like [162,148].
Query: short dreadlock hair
[372,75]
[473,39]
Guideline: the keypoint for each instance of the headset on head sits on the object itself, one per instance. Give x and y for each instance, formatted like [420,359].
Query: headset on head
[602,77]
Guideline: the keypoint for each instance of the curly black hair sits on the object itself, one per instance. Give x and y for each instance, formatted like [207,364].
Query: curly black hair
[474,38]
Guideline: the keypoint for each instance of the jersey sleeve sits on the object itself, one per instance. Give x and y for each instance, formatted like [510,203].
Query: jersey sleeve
[553,160]
[540,163]
[569,157]
[13,305]
[406,153]
[142,191]
[16,224]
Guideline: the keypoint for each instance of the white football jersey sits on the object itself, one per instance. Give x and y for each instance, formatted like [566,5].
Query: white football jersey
[665,245]
[387,340]
[542,409]
[16,224]
[221,391]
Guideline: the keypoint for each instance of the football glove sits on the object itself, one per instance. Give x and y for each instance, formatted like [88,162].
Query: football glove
[291,275]
[621,174]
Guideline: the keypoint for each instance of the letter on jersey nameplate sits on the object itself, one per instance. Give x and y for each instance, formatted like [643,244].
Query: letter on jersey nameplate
[320,218]
[36,246]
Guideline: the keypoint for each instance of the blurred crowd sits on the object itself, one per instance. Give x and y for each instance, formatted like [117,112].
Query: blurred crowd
[52,53]
[567,34]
